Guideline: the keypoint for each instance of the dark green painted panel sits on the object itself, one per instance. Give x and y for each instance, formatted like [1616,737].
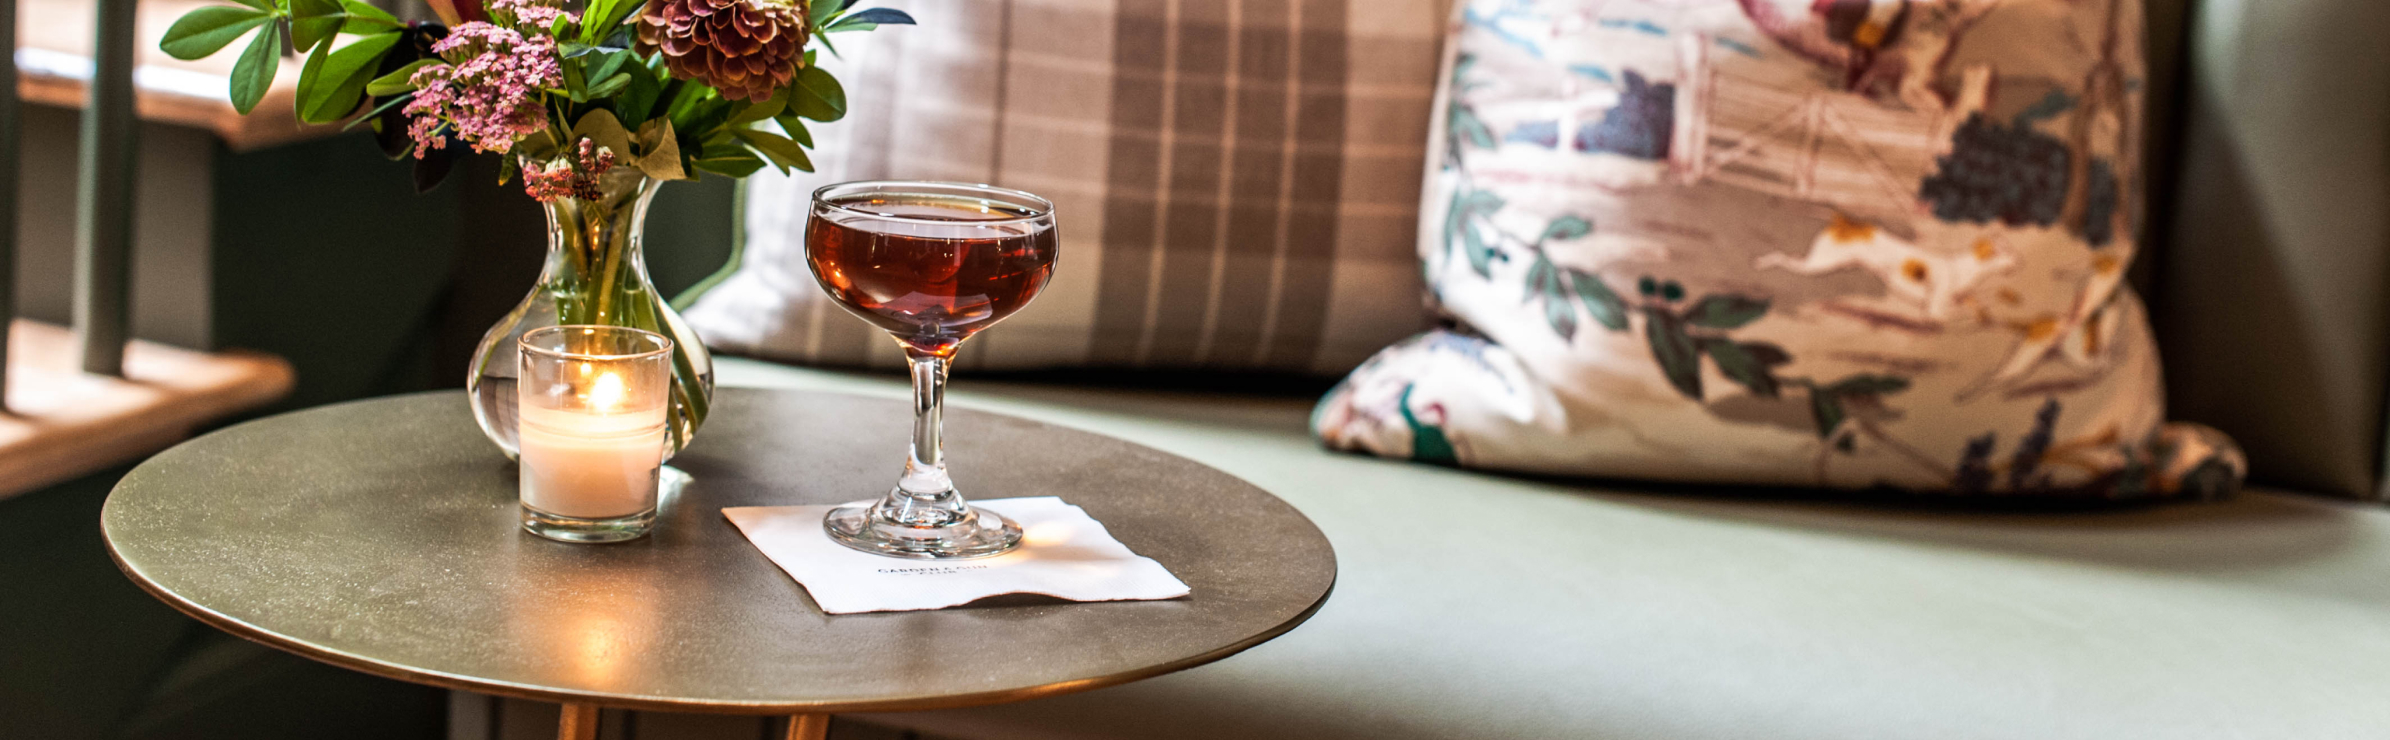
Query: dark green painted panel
[78,642]
[325,256]
[689,231]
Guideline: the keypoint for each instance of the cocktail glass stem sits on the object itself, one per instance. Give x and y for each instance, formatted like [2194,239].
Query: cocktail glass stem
[925,496]
[924,517]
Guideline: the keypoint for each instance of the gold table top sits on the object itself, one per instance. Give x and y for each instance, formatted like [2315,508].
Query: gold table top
[381,536]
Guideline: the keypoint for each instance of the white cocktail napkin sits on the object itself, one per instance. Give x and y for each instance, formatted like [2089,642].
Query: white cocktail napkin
[1064,553]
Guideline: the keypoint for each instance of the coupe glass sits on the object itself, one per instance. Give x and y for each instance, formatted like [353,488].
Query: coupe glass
[932,263]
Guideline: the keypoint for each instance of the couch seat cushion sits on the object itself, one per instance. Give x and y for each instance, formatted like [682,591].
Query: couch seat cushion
[1478,606]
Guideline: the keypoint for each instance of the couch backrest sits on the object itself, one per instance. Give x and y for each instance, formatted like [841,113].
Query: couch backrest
[2274,237]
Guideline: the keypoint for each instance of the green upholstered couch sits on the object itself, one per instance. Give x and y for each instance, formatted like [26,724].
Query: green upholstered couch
[1720,613]
[1706,613]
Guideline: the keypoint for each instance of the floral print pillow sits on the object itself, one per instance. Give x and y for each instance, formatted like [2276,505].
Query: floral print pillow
[1841,243]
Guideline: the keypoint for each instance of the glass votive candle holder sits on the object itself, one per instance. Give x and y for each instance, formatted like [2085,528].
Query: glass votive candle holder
[593,401]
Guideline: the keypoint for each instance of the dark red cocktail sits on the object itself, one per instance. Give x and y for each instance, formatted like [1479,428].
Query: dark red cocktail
[930,268]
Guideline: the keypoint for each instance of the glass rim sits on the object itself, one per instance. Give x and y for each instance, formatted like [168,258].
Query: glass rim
[1044,208]
[665,348]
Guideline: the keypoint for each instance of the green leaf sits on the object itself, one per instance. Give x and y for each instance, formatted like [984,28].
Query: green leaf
[312,88]
[684,104]
[574,86]
[399,80]
[1565,228]
[593,17]
[722,145]
[603,16]
[366,19]
[312,21]
[706,116]
[877,17]
[1604,305]
[607,67]
[818,95]
[398,100]
[795,128]
[1826,409]
[1826,403]
[824,10]
[1562,315]
[611,86]
[1466,125]
[1868,385]
[740,166]
[637,100]
[785,154]
[1543,281]
[1726,311]
[208,30]
[265,5]
[1538,273]
[1740,365]
[866,20]
[1679,358]
[1453,221]
[1466,204]
[330,86]
[753,112]
[825,39]
[1768,354]
[1481,258]
[254,73]
[1428,441]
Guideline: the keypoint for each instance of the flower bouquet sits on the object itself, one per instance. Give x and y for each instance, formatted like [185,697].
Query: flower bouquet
[594,104]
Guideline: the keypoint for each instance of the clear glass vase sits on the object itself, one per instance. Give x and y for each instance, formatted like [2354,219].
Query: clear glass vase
[595,274]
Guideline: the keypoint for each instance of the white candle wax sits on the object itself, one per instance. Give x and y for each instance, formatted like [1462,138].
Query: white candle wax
[590,465]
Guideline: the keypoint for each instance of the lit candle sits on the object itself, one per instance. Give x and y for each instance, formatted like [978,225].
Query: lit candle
[592,404]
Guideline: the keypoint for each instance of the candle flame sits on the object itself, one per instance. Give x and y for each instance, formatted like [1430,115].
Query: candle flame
[606,393]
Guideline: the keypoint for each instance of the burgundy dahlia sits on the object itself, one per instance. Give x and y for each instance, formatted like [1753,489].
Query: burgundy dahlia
[744,48]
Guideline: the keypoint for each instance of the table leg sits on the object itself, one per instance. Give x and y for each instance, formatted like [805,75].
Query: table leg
[808,726]
[578,722]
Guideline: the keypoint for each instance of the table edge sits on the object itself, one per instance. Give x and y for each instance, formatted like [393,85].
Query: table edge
[301,648]
[370,666]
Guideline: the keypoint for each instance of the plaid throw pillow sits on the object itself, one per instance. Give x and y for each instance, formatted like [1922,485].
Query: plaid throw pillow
[1236,181]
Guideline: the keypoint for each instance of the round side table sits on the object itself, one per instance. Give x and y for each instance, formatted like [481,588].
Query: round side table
[381,536]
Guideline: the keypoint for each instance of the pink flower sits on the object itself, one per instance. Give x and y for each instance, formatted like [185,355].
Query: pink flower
[489,92]
[569,177]
[534,13]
